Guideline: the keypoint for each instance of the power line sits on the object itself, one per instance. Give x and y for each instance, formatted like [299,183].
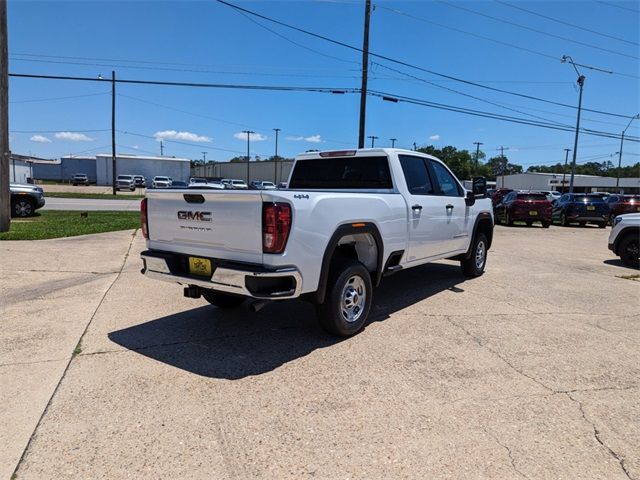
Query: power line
[406,64]
[562,22]
[60,130]
[535,30]
[58,98]
[611,4]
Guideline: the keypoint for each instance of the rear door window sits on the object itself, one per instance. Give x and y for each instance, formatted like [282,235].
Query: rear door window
[342,173]
[416,175]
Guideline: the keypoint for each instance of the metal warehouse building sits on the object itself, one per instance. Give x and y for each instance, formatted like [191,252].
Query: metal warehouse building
[553,181]
[63,169]
[176,168]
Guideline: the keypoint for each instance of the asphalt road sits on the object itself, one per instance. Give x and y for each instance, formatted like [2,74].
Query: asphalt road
[53,203]
[530,371]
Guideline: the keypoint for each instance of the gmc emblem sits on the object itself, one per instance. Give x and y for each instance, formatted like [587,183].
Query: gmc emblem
[196,216]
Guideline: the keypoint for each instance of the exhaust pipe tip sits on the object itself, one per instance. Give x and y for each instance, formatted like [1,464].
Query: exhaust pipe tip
[258,305]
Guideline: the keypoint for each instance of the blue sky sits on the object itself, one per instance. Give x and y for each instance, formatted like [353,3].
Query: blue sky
[208,42]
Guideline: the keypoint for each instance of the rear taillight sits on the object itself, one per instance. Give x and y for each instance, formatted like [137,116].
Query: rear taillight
[276,224]
[144,221]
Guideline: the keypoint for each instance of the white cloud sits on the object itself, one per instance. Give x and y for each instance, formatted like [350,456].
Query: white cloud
[254,137]
[40,139]
[174,135]
[435,137]
[135,147]
[73,137]
[310,139]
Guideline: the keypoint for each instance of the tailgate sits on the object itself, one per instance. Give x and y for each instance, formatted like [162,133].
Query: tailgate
[215,224]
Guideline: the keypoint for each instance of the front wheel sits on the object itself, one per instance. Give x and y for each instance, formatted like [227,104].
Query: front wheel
[22,207]
[629,250]
[474,265]
[546,224]
[348,300]
[222,300]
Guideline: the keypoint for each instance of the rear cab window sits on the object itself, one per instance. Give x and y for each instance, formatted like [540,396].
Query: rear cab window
[342,173]
[532,196]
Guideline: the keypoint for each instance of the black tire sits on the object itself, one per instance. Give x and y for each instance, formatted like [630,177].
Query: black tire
[474,265]
[22,207]
[563,220]
[529,223]
[546,224]
[496,219]
[582,224]
[602,225]
[629,250]
[612,218]
[509,220]
[349,294]
[222,300]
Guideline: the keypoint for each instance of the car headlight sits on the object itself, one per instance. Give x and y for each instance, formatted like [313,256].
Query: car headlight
[616,221]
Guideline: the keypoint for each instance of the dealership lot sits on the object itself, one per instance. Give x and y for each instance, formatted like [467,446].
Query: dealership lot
[530,371]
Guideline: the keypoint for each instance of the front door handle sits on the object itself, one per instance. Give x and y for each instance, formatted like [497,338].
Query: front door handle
[416,207]
[449,207]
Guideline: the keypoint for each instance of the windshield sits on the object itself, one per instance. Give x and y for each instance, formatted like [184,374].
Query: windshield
[162,179]
[238,182]
[532,196]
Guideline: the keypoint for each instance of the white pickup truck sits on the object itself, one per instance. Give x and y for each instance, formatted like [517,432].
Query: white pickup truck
[347,219]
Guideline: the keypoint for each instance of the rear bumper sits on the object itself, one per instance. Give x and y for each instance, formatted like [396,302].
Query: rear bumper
[580,217]
[256,281]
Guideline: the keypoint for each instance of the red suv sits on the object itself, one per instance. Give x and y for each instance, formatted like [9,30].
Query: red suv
[620,204]
[524,206]
[497,196]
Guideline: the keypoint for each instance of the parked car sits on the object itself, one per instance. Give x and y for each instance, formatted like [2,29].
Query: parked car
[161,182]
[261,185]
[197,181]
[529,207]
[125,182]
[551,195]
[25,199]
[80,179]
[140,181]
[282,186]
[624,239]
[621,204]
[347,219]
[497,196]
[234,184]
[179,184]
[580,208]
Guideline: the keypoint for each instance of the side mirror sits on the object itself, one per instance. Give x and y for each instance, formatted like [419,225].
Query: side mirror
[470,199]
[479,186]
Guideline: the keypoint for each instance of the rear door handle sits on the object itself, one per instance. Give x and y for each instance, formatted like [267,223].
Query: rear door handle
[449,207]
[416,207]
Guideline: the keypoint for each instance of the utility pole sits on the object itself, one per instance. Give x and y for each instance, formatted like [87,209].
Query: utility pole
[502,157]
[477,144]
[5,202]
[204,157]
[365,73]
[580,82]
[415,147]
[373,140]
[275,159]
[620,152]
[113,130]
[393,142]
[564,170]
[248,132]
[161,148]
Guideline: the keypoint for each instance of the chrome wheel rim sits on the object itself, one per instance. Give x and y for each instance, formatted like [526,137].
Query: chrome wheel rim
[354,297]
[481,252]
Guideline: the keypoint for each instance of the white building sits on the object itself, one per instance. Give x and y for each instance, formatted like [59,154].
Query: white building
[176,168]
[19,168]
[554,181]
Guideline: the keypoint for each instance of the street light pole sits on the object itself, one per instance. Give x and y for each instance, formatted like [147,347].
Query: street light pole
[248,132]
[373,140]
[477,144]
[580,82]
[204,157]
[564,170]
[620,152]
[393,142]
[275,158]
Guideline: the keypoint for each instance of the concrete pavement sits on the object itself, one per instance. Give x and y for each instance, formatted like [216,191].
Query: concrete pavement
[91,204]
[530,371]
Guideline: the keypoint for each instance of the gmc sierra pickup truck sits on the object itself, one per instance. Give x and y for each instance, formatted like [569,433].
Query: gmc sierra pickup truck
[345,220]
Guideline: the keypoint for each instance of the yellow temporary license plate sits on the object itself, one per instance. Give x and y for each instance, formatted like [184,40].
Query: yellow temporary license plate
[533,213]
[200,266]
[590,207]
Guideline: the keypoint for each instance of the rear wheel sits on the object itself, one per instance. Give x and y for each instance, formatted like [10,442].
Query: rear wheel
[582,224]
[563,220]
[529,223]
[509,220]
[629,250]
[348,300]
[222,300]
[602,225]
[546,224]
[474,265]
[612,218]
[22,207]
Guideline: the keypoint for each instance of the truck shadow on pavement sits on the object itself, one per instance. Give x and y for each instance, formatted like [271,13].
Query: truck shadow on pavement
[234,344]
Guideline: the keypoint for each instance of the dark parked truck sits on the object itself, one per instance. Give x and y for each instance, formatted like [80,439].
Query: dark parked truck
[582,209]
[346,220]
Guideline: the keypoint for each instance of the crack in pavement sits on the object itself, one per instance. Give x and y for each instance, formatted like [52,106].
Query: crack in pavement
[71,357]
[11,364]
[509,452]
[596,435]
[596,432]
